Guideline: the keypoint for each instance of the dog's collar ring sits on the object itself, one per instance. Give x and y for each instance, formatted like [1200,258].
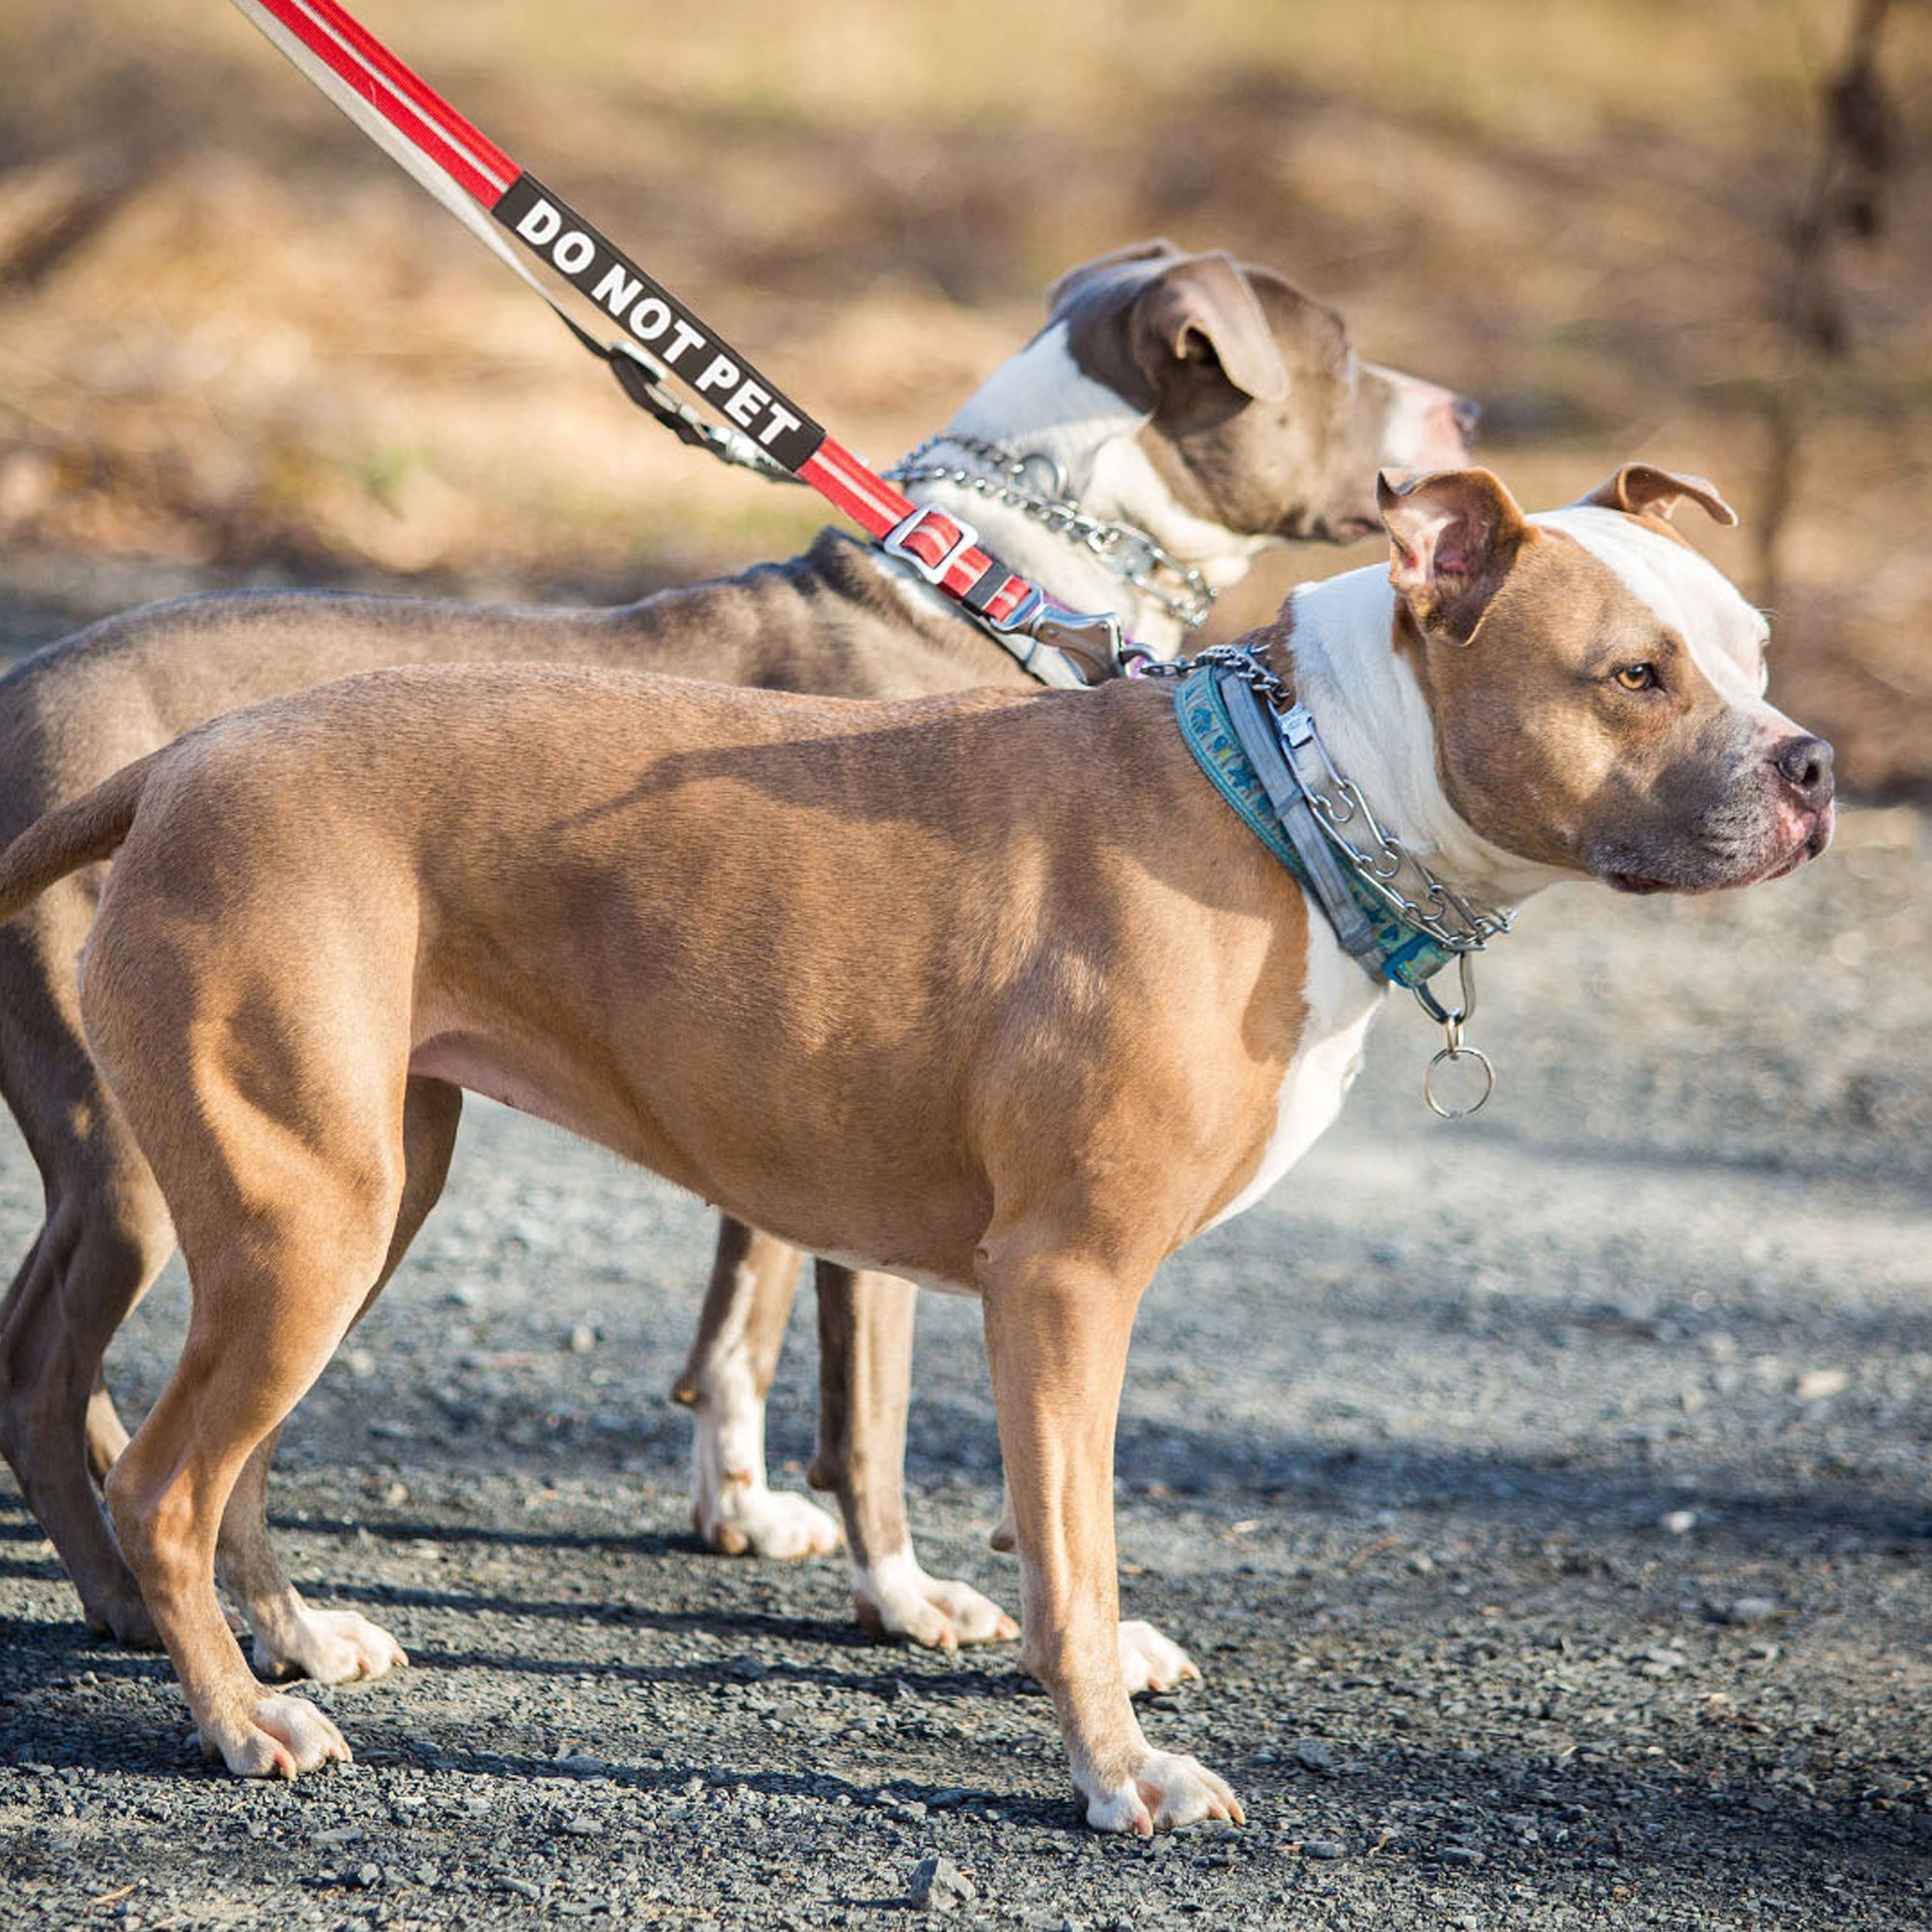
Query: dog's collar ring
[1454,1050]
[1452,1056]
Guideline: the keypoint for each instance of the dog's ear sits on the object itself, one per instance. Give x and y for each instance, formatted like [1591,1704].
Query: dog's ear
[1163,328]
[1061,291]
[1642,490]
[1454,537]
[1198,315]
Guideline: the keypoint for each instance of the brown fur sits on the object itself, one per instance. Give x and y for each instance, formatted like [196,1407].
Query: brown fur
[330,905]
[1218,353]
[825,621]
[1020,1041]
[1518,631]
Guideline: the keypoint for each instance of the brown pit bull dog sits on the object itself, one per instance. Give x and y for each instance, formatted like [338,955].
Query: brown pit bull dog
[992,991]
[1210,406]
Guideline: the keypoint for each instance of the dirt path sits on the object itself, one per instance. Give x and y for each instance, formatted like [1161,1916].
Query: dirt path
[1544,1499]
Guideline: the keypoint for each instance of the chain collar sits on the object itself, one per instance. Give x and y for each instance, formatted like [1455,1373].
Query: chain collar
[1312,789]
[1008,478]
[1394,873]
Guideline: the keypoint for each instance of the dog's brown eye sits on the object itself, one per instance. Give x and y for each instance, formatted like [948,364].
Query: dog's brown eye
[1637,677]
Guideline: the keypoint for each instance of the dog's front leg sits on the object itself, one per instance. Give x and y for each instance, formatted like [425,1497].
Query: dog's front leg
[1056,1332]
[864,1374]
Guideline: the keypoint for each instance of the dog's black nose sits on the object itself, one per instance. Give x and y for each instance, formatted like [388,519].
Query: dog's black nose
[1805,765]
[1465,415]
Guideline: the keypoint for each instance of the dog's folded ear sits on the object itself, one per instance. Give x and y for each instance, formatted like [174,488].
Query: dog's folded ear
[1201,314]
[1642,490]
[1158,327]
[1157,249]
[1454,537]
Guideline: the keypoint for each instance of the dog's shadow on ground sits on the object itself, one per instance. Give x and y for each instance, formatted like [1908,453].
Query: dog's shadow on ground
[887,1682]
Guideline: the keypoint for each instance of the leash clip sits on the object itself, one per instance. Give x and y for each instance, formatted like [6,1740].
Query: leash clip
[1093,640]
[1450,1020]
[1091,644]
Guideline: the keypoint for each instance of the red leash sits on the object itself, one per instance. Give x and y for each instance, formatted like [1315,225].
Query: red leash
[502,202]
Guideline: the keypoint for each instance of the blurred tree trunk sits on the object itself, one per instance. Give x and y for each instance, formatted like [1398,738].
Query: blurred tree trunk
[1844,201]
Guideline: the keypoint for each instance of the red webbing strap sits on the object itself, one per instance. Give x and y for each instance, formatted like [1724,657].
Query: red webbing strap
[938,545]
[438,147]
[417,112]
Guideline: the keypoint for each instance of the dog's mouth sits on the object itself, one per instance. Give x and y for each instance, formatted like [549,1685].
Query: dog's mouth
[1781,864]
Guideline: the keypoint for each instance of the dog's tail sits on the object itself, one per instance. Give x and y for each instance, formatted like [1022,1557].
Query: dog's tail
[75,835]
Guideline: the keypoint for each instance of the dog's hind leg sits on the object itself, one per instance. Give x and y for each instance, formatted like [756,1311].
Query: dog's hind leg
[287,1191]
[105,1237]
[864,1338]
[268,1315]
[291,1638]
[725,1384]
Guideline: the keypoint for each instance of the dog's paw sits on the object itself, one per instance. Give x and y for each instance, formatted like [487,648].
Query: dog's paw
[1169,1790]
[896,1600]
[277,1737]
[328,1647]
[745,1519]
[1151,1661]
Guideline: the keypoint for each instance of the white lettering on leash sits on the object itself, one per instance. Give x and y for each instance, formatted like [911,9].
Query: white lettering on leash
[650,319]
[683,337]
[746,405]
[781,421]
[541,224]
[621,290]
[617,291]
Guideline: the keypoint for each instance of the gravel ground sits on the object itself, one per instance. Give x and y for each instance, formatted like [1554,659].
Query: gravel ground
[1543,1497]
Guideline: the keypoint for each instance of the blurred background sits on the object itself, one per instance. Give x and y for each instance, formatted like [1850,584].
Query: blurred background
[238,345]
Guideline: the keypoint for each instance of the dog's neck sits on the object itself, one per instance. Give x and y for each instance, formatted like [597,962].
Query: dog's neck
[1041,403]
[1338,637]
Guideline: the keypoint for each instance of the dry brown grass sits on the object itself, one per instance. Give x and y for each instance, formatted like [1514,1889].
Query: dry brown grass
[229,329]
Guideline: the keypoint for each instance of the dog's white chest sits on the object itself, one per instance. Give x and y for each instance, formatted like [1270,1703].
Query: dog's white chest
[1342,1001]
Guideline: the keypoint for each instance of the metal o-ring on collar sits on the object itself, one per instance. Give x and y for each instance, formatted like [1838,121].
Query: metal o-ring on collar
[1452,1054]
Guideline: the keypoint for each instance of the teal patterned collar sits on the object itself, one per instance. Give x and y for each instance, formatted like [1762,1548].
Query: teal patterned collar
[1230,733]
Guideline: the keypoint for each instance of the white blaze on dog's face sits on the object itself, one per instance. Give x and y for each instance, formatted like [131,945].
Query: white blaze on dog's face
[1597,687]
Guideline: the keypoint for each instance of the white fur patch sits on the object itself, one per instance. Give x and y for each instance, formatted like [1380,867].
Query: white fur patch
[1044,398]
[1421,431]
[1094,432]
[730,1422]
[1341,1001]
[1689,594]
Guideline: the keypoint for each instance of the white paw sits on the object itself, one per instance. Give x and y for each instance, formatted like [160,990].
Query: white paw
[328,1647]
[1151,1661]
[281,1737]
[895,1598]
[1169,1790]
[745,1519]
